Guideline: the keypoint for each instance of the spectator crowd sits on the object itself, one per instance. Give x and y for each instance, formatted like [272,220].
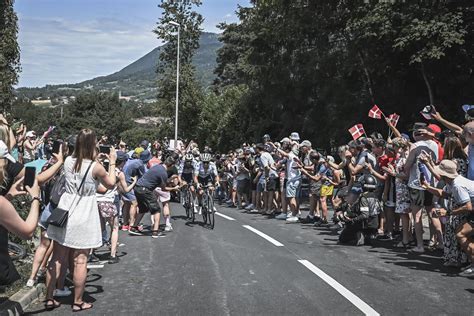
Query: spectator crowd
[86,189]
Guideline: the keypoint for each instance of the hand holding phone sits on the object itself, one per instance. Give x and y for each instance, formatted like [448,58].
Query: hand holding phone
[30,176]
[104,149]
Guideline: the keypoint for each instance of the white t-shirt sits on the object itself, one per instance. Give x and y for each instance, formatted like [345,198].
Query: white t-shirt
[267,160]
[291,172]
[462,190]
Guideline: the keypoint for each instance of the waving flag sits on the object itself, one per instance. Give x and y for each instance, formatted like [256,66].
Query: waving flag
[357,131]
[375,113]
[393,118]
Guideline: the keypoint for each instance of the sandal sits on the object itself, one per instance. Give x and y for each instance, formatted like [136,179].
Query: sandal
[81,307]
[50,307]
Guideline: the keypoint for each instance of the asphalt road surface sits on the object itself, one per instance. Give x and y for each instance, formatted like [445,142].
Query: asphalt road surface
[254,265]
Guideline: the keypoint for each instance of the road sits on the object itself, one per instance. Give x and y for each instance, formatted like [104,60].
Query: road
[254,265]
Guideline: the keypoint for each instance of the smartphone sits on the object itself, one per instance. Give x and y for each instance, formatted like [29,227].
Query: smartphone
[56,146]
[366,159]
[106,165]
[30,175]
[104,149]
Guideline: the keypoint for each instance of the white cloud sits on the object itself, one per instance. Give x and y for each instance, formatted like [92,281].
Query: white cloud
[56,51]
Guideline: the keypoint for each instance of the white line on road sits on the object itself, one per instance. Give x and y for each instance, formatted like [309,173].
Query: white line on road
[225,216]
[360,304]
[270,239]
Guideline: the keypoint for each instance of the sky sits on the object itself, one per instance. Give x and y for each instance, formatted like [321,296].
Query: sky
[69,41]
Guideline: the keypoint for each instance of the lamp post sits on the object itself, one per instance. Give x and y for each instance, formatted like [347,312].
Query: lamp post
[177,88]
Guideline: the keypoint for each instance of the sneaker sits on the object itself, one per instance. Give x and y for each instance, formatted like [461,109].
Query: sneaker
[113,260]
[254,211]
[322,222]
[157,235]
[360,239]
[30,283]
[418,249]
[200,210]
[401,244]
[125,228]
[386,237]
[292,219]
[282,216]
[269,212]
[168,228]
[62,292]
[93,258]
[249,207]
[468,271]
[134,231]
[336,228]
[452,264]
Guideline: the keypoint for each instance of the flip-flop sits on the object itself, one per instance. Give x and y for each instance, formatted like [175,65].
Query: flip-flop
[50,307]
[81,307]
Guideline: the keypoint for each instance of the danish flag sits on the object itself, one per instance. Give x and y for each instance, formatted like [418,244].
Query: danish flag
[375,112]
[357,131]
[394,118]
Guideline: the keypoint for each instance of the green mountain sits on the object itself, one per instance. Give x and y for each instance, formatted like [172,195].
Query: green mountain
[139,79]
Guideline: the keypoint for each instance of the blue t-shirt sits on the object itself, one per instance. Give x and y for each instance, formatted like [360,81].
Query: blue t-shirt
[132,168]
[155,177]
[470,170]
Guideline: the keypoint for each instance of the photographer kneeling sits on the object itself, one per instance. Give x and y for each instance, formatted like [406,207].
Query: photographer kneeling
[361,213]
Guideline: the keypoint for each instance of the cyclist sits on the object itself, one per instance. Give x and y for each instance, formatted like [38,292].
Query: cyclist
[205,173]
[186,172]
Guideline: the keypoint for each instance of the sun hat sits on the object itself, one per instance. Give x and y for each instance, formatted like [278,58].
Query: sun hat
[447,168]
[295,136]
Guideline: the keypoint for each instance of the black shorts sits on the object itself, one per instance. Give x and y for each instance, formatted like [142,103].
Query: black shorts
[420,198]
[188,177]
[147,201]
[243,186]
[206,180]
[271,184]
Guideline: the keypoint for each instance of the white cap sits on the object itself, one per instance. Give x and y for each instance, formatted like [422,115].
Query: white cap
[295,136]
[5,153]
[31,134]
[305,143]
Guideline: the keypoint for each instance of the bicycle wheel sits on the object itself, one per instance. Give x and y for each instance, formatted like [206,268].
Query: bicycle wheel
[186,203]
[211,213]
[16,251]
[204,208]
[192,215]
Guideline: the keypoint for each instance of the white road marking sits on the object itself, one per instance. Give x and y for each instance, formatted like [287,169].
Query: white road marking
[356,301]
[265,236]
[225,216]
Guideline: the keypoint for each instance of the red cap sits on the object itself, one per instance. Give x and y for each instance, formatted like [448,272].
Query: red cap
[435,128]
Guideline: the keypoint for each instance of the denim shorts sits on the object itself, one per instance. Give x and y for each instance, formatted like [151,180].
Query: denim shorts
[43,221]
[292,188]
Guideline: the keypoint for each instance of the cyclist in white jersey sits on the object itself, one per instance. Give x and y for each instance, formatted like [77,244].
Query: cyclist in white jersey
[205,173]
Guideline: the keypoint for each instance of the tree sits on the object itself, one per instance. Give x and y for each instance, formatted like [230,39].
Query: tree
[9,53]
[99,111]
[190,92]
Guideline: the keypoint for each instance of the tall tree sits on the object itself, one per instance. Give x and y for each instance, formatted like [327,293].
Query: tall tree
[190,92]
[9,53]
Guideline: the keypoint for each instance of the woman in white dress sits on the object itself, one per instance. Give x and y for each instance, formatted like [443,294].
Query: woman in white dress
[82,231]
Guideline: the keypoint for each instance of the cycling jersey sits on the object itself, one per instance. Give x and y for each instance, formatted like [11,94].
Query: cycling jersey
[186,171]
[202,173]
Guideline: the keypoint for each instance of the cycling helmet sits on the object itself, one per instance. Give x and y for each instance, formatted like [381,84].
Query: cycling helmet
[206,157]
[188,157]
[266,137]
[368,182]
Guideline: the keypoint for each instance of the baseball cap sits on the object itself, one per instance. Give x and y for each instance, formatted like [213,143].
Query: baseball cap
[285,140]
[139,150]
[121,156]
[434,128]
[145,156]
[30,134]
[144,143]
[5,153]
[295,136]
[418,126]
[427,111]
[305,143]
